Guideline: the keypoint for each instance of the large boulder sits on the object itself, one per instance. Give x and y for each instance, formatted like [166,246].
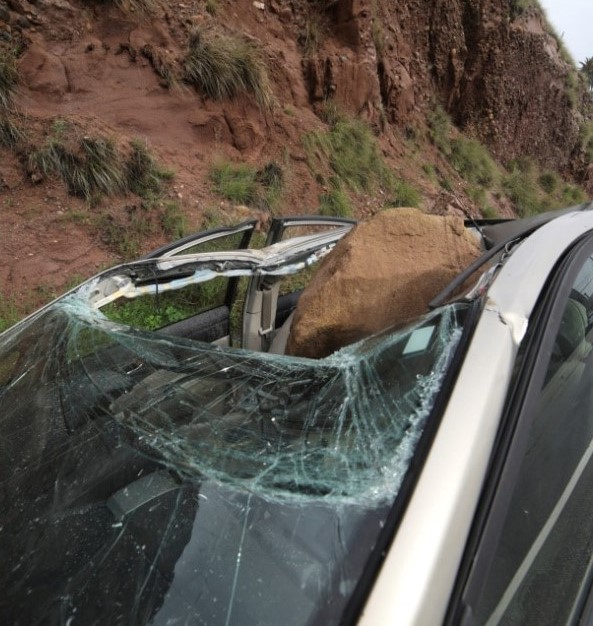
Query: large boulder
[383,273]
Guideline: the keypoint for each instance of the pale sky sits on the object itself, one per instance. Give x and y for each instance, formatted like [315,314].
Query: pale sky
[573,21]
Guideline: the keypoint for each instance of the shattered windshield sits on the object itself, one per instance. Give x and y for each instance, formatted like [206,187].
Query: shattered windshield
[152,479]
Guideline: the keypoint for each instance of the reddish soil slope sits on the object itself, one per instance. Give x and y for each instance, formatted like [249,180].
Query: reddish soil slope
[100,64]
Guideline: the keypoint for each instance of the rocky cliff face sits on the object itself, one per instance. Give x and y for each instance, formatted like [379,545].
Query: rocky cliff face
[504,77]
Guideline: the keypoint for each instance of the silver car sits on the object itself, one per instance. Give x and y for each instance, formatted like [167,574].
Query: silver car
[162,461]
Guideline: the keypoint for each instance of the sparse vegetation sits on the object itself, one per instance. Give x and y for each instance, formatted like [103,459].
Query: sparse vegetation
[243,184]
[222,66]
[93,166]
[352,154]
[572,88]
[14,308]
[525,185]
[549,181]
[378,37]
[212,7]
[446,184]
[404,194]
[9,77]
[522,191]
[10,312]
[479,195]
[587,141]
[76,216]
[533,192]
[587,70]
[430,172]
[489,212]
[473,161]
[271,179]
[235,182]
[312,34]
[330,113]
[143,175]
[440,127]
[467,155]
[335,202]
[11,134]
[518,7]
[125,235]
[571,194]
[172,220]
[88,166]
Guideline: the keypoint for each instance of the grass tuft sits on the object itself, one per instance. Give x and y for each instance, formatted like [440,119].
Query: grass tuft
[9,77]
[92,166]
[143,175]
[440,126]
[404,195]
[312,34]
[172,220]
[335,203]
[88,167]
[224,66]
[473,161]
[212,7]
[352,153]
[244,184]
[235,182]
[11,134]
[533,192]
[549,181]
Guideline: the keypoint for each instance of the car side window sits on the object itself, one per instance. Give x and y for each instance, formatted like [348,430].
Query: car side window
[169,309]
[543,562]
[155,311]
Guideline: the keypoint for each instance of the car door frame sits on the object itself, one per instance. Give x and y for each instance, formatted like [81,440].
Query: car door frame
[177,247]
[265,310]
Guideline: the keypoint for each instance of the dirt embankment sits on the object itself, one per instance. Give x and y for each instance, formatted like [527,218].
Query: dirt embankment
[105,64]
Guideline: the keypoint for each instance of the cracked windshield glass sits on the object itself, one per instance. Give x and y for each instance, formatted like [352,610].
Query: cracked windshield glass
[159,479]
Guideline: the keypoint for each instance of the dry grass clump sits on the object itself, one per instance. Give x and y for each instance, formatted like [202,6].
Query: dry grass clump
[143,175]
[11,133]
[89,166]
[9,77]
[223,66]
[93,165]
[244,184]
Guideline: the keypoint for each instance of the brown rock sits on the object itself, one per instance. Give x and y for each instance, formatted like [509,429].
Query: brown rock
[43,71]
[383,273]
